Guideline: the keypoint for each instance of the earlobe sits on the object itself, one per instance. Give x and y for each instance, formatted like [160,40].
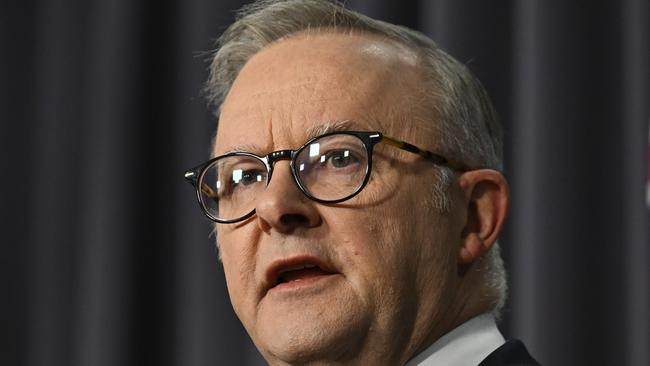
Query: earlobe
[486,197]
[471,250]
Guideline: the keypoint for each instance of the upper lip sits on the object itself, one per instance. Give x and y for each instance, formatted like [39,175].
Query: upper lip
[280,266]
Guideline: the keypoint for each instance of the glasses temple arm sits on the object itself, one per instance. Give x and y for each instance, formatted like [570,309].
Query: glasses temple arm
[192,177]
[432,157]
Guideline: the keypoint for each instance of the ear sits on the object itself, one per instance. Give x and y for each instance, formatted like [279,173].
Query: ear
[486,197]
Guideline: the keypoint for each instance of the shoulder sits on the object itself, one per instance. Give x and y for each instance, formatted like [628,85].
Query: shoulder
[511,353]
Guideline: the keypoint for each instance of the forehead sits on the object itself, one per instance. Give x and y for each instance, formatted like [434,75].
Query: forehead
[296,85]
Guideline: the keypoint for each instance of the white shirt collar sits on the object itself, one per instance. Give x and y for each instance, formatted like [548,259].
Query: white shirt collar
[467,345]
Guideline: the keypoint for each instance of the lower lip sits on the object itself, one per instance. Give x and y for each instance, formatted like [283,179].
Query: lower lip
[304,283]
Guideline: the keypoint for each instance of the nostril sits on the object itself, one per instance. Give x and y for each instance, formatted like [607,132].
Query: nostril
[292,220]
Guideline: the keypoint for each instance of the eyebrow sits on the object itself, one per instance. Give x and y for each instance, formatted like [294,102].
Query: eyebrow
[252,148]
[334,126]
[312,132]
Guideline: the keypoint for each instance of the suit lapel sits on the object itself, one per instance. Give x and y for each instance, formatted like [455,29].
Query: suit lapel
[511,353]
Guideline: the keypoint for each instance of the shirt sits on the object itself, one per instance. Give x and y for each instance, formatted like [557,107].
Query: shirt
[466,345]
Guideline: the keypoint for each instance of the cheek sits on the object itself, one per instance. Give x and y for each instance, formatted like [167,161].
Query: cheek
[374,251]
[398,239]
[239,269]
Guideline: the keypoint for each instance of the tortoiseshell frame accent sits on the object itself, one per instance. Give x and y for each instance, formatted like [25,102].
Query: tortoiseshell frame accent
[433,157]
[369,139]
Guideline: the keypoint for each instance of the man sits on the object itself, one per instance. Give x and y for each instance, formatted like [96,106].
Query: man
[356,191]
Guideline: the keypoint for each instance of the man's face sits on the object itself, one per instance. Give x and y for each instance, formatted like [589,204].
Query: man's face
[380,267]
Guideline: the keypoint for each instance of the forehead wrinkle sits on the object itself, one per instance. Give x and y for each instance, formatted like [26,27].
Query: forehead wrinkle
[310,78]
[314,91]
[279,93]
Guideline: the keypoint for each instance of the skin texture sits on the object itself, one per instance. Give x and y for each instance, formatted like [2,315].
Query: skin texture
[401,268]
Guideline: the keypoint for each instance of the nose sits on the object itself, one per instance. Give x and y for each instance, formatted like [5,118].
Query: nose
[282,206]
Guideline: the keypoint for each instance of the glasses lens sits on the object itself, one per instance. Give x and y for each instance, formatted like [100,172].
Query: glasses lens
[230,185]
[332,167]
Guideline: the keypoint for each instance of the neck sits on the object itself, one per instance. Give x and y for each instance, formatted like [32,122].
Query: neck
[470,300]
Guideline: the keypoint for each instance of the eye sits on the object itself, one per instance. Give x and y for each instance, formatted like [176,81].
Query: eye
[330,156]
[343,160]
[242,177]
[340,158]
[239,180]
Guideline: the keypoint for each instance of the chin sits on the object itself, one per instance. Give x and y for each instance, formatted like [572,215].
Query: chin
[324,332]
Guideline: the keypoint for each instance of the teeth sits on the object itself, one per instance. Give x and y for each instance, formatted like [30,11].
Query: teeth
[293,268]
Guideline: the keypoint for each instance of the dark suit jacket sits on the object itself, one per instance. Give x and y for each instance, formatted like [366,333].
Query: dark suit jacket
[512,353]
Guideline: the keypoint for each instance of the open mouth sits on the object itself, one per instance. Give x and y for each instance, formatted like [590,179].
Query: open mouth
[300,273]
[295,272]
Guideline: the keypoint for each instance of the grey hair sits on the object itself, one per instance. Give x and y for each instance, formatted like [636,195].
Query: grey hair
[467,127]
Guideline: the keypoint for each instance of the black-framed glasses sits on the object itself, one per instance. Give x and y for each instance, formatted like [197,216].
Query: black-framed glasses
[330,168]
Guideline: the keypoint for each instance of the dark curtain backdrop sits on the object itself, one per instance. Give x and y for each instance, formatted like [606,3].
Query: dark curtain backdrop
[106,259]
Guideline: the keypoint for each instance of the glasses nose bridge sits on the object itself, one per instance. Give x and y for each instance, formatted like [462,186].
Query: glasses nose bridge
[279,155]
[276,156]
